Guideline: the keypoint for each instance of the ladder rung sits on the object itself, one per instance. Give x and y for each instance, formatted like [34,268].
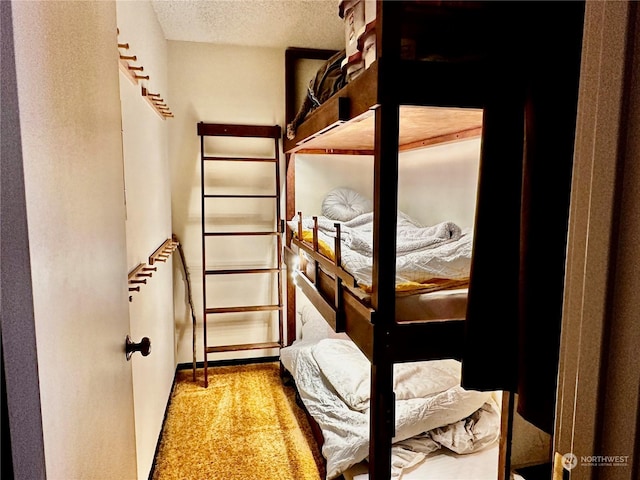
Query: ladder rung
[223,234]
[246,346]
[237,159]
[236,130]
[240,196]
[253,308]
[243,270]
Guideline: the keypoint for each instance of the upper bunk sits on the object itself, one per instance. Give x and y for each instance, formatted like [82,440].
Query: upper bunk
[438,93]
[432,58]
[419,127]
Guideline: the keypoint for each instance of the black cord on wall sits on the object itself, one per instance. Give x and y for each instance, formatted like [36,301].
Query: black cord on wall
[193,315]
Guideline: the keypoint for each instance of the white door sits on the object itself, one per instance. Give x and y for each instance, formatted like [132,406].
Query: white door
[67,75]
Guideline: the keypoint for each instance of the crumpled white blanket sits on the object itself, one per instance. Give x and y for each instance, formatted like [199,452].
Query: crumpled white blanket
[422,253]
[349,372]
[463,421]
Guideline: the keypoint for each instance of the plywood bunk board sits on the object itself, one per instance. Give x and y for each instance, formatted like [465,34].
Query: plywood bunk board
[395,105]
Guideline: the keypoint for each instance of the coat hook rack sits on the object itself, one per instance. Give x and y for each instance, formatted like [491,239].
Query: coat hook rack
[157,103]
[163,252]
[134,74]
[141,274]
[134,281]
[128,69]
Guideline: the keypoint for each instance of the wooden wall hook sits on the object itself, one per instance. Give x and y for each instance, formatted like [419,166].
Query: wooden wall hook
[157,102]
[163,252]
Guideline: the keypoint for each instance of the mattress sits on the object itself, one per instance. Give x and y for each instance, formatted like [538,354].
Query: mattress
[436,305]
[444,465]
[425,256]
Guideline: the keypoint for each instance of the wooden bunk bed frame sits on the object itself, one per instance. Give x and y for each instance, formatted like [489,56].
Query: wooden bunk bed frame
[437,102]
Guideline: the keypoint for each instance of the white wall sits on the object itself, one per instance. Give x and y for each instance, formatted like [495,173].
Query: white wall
[435,184]
[218,84]
[148,223]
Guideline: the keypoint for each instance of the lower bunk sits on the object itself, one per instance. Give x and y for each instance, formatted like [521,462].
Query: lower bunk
[442,431]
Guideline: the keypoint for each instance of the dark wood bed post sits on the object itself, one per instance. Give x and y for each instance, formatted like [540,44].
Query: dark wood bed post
[290,190]
[291,57]
[290,195]
[382,420]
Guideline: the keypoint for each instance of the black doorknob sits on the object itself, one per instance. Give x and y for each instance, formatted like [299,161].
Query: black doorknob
[144,347]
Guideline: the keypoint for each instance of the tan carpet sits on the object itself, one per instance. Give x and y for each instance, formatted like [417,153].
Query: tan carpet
[244,426]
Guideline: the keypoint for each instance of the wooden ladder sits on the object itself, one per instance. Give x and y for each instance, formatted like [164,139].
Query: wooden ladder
[242,132]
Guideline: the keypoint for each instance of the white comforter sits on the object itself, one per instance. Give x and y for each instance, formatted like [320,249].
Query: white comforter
[422,253]
[432,410]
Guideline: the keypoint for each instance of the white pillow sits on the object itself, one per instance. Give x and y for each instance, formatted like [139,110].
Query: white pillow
[348,370]
[344,204]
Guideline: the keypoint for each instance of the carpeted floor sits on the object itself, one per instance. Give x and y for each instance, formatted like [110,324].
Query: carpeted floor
[244,426]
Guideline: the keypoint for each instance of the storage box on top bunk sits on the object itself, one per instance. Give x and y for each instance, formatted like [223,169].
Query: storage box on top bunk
[359,18]
[353,14]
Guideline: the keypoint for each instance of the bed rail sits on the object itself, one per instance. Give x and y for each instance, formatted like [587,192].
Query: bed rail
[346,312]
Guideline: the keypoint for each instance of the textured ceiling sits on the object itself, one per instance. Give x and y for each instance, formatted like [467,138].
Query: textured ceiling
[266,23]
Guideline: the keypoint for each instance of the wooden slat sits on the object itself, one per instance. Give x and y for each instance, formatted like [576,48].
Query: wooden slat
[326,285]
[225,130]
[240,196]
[240,347]
[241,271]
[326,263]
[441,140]
[237,234]
[238,159]
[254,308]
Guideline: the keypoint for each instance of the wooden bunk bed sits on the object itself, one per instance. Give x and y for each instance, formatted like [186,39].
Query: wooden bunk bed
[397,104]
